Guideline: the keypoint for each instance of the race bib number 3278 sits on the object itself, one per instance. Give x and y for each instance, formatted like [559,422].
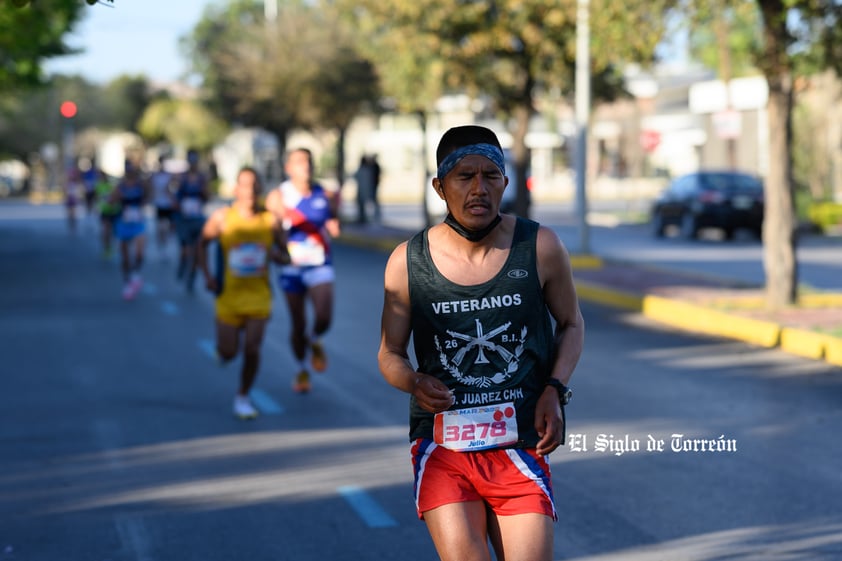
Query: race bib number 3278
[476,428]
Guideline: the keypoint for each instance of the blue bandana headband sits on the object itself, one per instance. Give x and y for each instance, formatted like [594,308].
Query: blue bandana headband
[490,151]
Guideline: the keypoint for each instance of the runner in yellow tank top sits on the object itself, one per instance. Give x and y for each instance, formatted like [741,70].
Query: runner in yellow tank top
[249,237]
[245,242]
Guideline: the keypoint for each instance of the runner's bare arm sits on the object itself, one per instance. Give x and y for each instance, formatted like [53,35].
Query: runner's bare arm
[210,231]
[274,204]
[332,225]
[556,276]
[432,395]
[279,253]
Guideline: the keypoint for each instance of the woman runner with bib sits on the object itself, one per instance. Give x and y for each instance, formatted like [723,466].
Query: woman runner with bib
[132,194]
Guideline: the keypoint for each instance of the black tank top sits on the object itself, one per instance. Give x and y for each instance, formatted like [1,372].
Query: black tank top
[489,343]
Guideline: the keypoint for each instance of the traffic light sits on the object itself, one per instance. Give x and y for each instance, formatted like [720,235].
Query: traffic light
[68,109]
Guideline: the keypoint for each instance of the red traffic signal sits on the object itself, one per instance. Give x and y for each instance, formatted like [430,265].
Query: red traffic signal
[67,109]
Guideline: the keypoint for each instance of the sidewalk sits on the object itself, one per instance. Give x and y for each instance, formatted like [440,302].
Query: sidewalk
[691,302]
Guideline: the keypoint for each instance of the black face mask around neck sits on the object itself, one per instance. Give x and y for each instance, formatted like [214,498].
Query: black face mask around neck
[471,235]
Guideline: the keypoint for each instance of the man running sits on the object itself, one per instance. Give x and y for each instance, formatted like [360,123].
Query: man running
[109,212]
[191,195]
[479,295]
[248,237]
[164,201]
[309,217]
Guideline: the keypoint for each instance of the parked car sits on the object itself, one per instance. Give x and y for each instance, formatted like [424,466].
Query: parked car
[727,200]
[436,208]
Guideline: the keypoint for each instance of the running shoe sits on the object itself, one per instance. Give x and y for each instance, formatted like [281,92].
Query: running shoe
[129,291]
[136,281]
[301,384]
[243,409]
[318,360]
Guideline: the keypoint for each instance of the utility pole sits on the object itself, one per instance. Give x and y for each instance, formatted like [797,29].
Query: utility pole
[583,102]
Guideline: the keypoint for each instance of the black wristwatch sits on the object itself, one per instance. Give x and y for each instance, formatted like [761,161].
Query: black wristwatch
[564,393]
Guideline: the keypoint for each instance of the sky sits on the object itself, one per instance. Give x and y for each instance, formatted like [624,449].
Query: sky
[131,37]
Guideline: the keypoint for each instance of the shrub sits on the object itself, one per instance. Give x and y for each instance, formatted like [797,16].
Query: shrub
[827,215]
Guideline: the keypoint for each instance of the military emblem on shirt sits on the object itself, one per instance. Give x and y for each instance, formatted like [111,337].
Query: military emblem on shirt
[496,353]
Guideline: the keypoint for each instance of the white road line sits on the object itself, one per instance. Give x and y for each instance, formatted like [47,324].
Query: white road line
[264,402]
[369,510]
[208,347]
[150,289]
[169,308]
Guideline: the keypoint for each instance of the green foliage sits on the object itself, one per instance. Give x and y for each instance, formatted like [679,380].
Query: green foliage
[725,35]
[300,70]
[126,99]
[181,123]
[509,50]
[31,34]
[29,117]
[25,3]
[827,215]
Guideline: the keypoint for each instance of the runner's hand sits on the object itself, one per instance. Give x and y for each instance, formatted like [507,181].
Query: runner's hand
[548,421]
[210,283]
[431,394]
[280,256]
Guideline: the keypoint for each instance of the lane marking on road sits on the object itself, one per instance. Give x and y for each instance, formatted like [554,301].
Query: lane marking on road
[264,402]
[134,536]
[368,509]
[150,289]
[208,347]
[169,308]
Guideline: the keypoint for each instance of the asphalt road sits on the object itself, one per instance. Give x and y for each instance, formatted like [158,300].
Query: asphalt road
[117,441]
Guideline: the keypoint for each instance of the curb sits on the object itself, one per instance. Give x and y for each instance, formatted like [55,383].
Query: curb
[699,319]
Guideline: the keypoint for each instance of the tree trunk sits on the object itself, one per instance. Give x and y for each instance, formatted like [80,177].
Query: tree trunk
[340,157]
[520,155]
[779,227]
[426,188]
[779,224]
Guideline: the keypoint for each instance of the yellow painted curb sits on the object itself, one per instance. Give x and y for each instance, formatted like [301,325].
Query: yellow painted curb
[607,296]
[585,262]
[803,343]
[821,300]
[833,351]
[703,320]
[385,243]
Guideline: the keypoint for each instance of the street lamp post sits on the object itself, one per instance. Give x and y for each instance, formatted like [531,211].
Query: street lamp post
[583,102]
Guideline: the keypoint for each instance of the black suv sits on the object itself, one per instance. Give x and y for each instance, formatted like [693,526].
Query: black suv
[727,200]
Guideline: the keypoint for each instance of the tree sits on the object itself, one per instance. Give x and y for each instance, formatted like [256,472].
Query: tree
[30,117]
[24,3]
[792,40]
[724,37]
[798,36]
[184,123]
[298,71]
[411,71]
[345,85]
[30,35]
[126,98]
[510,51]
